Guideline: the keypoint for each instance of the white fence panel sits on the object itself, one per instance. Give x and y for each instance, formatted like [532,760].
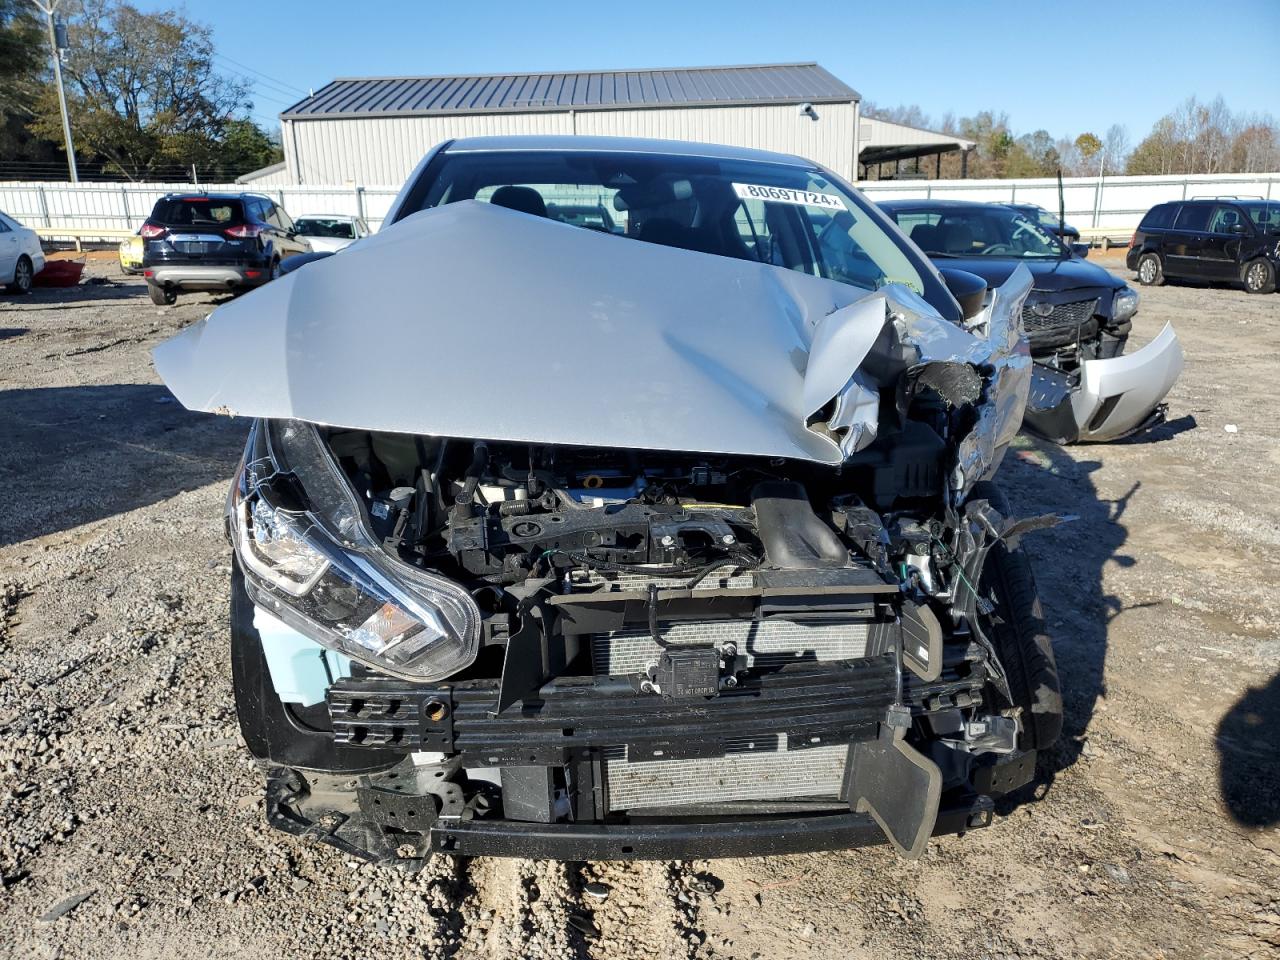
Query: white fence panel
[1114,203]
[1110,202]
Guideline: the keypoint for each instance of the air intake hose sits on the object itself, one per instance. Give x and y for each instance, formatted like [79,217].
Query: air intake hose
[794,537]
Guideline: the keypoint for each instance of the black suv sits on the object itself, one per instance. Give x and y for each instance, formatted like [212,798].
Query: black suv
[1223,238]
[204,241]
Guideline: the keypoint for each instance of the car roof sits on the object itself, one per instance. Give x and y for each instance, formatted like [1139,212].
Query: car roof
[201,195]
[679,148]
[326,216]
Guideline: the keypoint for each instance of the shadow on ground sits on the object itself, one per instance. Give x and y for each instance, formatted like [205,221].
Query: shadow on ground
[1069,561]
[70,455]
[1249,756]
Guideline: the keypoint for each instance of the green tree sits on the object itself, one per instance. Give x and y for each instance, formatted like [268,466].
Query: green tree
[24,56]
[142,89]
[245,146]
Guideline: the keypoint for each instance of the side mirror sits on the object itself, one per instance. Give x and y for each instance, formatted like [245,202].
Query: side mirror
[969,289]
[1080,250]
[1239,228]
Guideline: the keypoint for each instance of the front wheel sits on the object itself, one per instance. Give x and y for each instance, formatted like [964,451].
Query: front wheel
[1260,277]
[23,276]
[1016,627]
[1150,272]
[162,296]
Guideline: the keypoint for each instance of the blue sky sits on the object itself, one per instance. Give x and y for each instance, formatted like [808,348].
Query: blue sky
[1065,66]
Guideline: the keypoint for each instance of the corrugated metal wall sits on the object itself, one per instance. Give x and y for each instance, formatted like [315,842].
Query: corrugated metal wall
[384,150]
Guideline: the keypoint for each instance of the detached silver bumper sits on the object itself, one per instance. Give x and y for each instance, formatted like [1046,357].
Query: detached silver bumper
[1110,399]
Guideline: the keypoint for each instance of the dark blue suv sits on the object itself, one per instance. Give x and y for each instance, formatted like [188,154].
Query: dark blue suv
[209,241]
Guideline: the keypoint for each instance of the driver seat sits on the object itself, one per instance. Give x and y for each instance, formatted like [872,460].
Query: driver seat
[957,238]
[523,199]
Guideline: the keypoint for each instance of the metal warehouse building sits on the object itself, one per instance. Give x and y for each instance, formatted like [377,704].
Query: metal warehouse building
[373,131]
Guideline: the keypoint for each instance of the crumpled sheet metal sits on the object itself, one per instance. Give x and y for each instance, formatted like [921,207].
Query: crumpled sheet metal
[997,346]
[471,320]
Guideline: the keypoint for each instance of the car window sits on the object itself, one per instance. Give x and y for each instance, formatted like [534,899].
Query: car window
[1225,219]
[1193,216]
[1158,217]
[285,220]
[197,211]
[978,230]
[325,227]
[787,215]
[1265,214]
[4,226]
[752,222]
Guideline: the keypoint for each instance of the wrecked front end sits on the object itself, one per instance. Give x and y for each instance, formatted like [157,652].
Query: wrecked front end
[732,639]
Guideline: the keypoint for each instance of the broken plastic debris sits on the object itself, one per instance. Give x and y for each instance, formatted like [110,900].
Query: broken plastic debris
[1231,428]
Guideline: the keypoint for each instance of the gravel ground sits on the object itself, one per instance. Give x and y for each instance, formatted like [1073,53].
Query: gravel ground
[131,821]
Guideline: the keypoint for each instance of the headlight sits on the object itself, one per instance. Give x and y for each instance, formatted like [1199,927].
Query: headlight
[310,560]
[1125,304]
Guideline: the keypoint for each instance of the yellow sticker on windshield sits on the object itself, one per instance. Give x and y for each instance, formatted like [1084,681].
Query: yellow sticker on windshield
[800,198]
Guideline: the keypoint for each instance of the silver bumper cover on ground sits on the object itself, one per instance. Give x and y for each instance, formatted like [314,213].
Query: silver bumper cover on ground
[1110,399]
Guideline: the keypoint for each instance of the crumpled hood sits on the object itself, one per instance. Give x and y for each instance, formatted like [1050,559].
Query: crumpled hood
[471,320]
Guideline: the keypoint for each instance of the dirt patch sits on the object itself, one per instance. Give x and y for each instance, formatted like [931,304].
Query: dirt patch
[1154,830]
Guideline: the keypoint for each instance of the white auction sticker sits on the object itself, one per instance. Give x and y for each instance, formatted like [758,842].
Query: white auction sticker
[801,198]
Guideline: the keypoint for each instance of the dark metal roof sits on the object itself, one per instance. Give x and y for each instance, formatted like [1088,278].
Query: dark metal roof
[598,90]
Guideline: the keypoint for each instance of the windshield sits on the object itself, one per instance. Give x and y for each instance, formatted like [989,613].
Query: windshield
[789,216]
[977,231]
[325,227]
[1264,213]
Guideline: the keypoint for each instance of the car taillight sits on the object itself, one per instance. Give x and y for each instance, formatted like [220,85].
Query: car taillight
[1133,241]
[243,232]
[151,231]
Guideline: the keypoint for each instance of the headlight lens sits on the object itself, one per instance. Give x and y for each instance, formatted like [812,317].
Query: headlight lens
[1125,304]
[309,560]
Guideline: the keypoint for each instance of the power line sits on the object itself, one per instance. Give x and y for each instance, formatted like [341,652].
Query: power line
[291,96]
[277,82]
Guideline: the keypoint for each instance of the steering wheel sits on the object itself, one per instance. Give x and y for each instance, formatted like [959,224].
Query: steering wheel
[997,248]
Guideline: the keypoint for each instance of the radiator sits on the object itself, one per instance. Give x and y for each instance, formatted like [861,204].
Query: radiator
[765,643]
[748,771]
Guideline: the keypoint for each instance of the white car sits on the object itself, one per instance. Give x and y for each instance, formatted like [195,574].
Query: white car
[330,232]
[20,255]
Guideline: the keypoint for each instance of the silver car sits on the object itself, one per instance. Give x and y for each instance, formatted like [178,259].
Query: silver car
[671,539]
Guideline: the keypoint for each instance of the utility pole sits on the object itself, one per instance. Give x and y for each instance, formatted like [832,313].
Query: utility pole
[57,76]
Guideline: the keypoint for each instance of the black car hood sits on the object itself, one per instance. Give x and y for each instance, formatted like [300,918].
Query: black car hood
[1048,276]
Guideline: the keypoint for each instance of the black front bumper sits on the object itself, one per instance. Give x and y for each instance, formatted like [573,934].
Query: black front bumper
[361,836]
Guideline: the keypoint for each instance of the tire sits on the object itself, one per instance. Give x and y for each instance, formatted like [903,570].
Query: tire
[23,276]
[1150,271]
[1259,277]
[1016,628]
[161,296]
